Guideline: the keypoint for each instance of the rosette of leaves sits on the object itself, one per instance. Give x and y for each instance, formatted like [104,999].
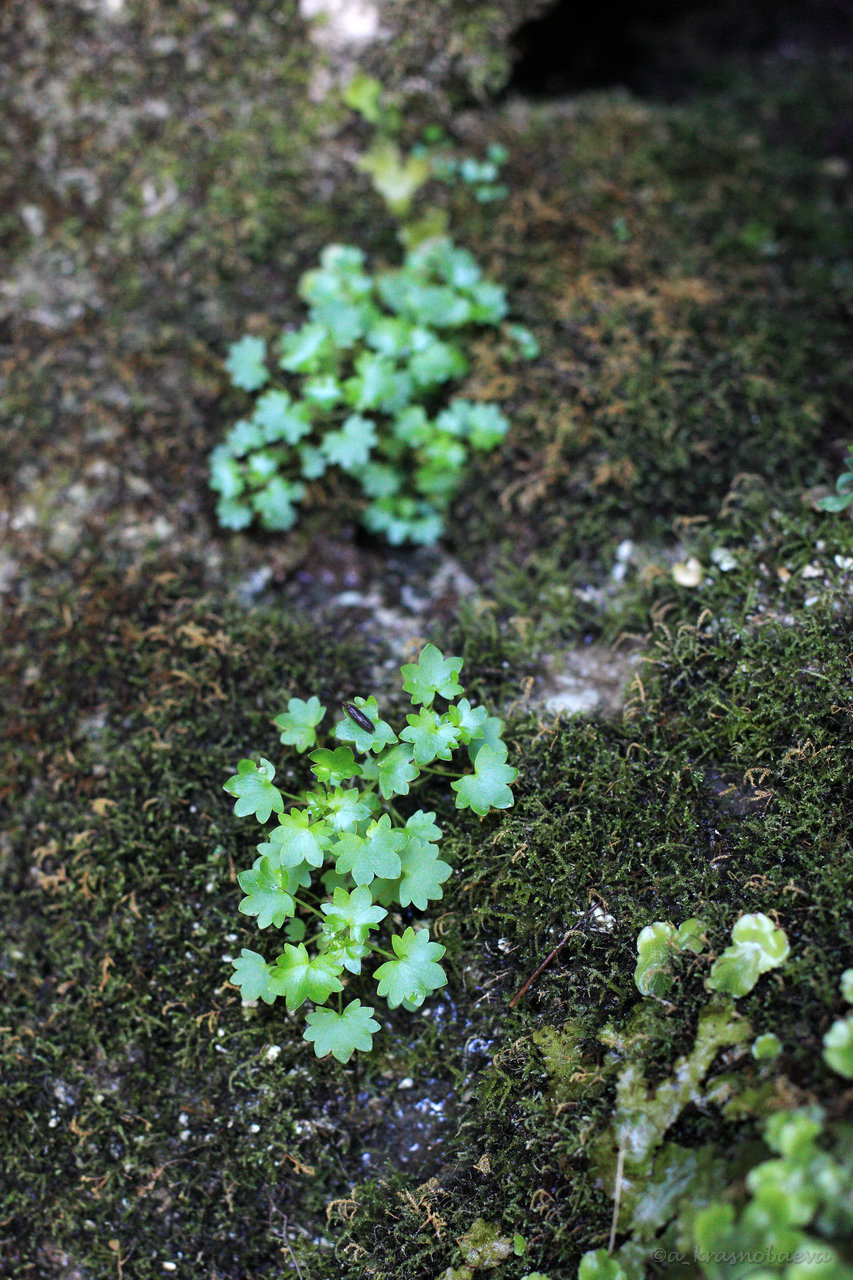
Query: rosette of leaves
[360,388]
[354,846]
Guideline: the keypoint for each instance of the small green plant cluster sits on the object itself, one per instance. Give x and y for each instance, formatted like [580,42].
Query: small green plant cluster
[482,176]
[397,176]
[345,858]
[798,1219]
[653,1179]
[807,1184]
[362,377]
[843,495]
[804,1185]
[359,386]
[484,1248]
[756,946]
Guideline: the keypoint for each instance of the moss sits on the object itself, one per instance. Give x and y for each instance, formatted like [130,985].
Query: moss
[633,817]
[686,272]
[120,861]
[140,1089]
[684,347]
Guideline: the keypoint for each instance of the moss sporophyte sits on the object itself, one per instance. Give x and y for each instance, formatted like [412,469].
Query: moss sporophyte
[352,846]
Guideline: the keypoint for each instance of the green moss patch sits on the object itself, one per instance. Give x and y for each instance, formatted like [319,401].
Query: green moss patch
[687,275]
[632,818]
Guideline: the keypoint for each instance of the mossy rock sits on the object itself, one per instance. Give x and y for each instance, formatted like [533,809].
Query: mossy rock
[687,273]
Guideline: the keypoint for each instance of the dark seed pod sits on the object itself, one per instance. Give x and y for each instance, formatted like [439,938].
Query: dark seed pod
[359,717]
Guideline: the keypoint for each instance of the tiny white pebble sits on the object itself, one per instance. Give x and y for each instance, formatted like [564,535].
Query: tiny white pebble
[688,573]
[601,921]
[723,559]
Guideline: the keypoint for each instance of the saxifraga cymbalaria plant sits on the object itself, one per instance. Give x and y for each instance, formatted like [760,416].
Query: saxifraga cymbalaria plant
[357,387]
[351,851]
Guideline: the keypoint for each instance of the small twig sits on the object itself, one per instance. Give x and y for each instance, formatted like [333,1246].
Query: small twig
[282,1235]
[290,1247]
[617,1195]
[550,956]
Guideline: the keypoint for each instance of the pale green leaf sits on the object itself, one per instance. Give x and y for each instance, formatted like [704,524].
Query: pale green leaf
[432,674]
[299,977]
[415,973]
[340,1034]
[298,724]
[252,785]
[246,363]
[252,975]
[488,787]
[266,895]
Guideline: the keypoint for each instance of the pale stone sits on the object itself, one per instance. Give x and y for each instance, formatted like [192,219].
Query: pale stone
[688,573]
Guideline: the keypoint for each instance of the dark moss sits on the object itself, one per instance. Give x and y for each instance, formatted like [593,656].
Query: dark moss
[691,338]
[126,1087]
[687,273]
[629,817]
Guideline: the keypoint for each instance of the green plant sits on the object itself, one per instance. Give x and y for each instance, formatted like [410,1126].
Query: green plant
[359,385]
[843,495]
[483,1248]
[652,1178]
[448,166]
[804,1185]
[756,946]
[362,377]
[838,1041]
[396,176]
[655,945]
[344,854]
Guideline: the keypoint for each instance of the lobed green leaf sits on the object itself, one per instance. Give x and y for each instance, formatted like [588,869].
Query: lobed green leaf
[298,724]
[252,785]
[487,787]
[340,1034]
